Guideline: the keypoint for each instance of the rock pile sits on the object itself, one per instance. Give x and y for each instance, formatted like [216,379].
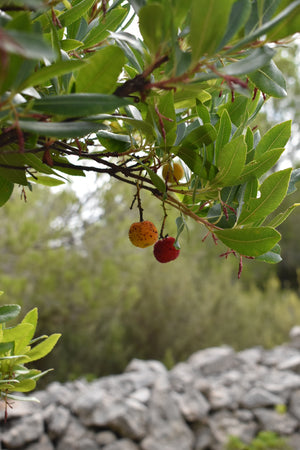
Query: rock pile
[217,392]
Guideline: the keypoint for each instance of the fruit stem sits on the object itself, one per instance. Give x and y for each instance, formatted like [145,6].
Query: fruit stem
[139,202]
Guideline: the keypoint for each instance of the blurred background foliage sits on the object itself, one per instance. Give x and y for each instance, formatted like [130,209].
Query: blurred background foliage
[70,256]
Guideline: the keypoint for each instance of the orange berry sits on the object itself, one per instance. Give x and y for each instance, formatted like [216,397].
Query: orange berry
[143,234]
[172,174]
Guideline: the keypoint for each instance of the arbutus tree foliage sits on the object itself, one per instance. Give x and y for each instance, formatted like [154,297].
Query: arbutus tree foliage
[80,93]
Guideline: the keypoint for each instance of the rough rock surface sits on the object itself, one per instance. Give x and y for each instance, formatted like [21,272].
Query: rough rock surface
[217,392]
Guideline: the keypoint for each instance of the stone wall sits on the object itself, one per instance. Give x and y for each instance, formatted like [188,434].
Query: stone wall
[217,392]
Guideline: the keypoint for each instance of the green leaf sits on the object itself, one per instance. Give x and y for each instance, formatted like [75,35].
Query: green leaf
[45,73]
[269,80]
[224,132]
[295,178]
[281,18]
[272,192]
[288,26]
[31,318]
[21,335]
[26,385]
[42,349]
[271,257]
[239,15]
[114,142]
[12,167]
[261,165]
[282,216]
[151,23]
[98,31]
[156,180]
[75,13]
[204,134]
[9,312]
[101,72]
[36,163]
[181,224]
[231,160]
[6,189]
[191,158]
[70,44]
[60,129]
[249,241]
[202,112]
[168,118]
[257,58]
[275,138]
[46,181]
[80,105]
[208,26]
[237,110]
[27,45]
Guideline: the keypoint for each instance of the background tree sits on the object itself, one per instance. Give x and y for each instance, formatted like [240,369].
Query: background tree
[113,302]
[75,84]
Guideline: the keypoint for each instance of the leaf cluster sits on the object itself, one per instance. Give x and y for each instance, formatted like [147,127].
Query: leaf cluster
[265,440]
[76,83]
[18,347]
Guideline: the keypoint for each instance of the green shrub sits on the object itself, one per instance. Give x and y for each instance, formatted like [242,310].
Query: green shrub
[18,347]
[265,440]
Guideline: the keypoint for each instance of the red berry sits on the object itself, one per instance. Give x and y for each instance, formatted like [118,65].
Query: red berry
[165,251]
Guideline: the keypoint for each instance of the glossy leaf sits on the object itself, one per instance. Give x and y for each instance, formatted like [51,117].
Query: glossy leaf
[70,44]
[12,168]
[76,12]
[36,163]
[257,58]
[21,335]
[202,135]
[271,257]
[6,189]
[272,192]
[101,72]
[31,317]
[249,241]
[27,45]
[231,160]
[9,312]
[46,181]
[114,142]
[26,385]
[269,80]
[192,159]
[282,216]
[275,138]
[289,26]
[42,349]
[237,110]
[78,105]
[208,29]
[151,23]
[167,123]
[100,30]
[55,70]
[240,12]
[60,129]
[261,165]
[156,180]
[279,20]
[224,132]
